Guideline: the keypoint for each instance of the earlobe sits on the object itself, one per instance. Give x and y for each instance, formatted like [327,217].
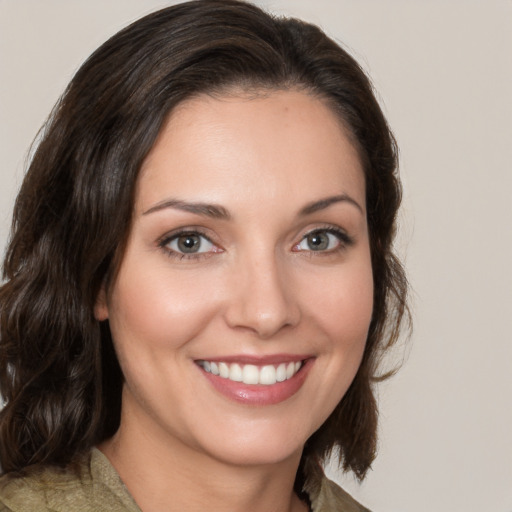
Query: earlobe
[101,307]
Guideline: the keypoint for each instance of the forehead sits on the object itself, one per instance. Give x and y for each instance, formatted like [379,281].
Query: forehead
[214,145]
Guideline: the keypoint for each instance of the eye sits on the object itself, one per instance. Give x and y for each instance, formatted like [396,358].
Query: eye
[321,240]
[188,243]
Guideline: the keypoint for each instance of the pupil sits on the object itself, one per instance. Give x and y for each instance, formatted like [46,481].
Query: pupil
[318,241]
[189,243]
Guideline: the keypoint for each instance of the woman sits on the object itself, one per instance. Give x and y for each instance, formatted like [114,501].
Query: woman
[200,281]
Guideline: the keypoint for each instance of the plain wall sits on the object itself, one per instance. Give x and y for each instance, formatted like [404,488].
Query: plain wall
[443,71]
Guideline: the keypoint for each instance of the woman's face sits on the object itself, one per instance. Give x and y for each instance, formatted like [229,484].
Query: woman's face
[242,304]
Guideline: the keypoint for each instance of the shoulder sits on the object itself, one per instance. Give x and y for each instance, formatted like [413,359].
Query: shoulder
[327,496]
[35,488]
[333,498]
[89,485]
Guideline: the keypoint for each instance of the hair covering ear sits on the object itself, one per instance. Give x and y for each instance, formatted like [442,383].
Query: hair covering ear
[100,306]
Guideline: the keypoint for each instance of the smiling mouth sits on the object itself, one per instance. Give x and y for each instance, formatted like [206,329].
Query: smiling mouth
[266,375]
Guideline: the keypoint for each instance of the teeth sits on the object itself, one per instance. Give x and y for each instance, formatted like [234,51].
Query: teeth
[268,375]
[281,372]
[235,373]
[251,374]
[223,370]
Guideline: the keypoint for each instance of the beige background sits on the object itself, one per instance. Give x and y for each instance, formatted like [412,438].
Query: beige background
[443,70]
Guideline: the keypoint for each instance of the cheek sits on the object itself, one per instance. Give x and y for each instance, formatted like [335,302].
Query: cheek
[158,310]
[343,303]
[341,308]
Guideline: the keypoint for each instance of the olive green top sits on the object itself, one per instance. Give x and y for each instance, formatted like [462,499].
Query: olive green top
[94,486]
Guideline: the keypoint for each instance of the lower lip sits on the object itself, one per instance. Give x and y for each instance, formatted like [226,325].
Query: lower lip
[258,394]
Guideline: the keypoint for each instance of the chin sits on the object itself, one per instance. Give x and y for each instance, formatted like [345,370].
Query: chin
[255,448]
[263,454]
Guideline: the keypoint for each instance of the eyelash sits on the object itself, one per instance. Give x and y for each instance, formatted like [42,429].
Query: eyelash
[344,241]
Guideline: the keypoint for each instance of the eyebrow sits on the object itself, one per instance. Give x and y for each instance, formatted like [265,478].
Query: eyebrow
[328,201]
[219,212]
[204,209]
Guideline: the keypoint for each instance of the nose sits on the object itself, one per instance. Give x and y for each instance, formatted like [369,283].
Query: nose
[263,299]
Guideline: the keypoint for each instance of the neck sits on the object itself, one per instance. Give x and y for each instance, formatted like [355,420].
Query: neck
[162,473]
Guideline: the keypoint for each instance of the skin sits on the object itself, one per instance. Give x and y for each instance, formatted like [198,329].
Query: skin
[256,288]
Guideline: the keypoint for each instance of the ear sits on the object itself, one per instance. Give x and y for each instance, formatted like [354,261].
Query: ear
[100,306]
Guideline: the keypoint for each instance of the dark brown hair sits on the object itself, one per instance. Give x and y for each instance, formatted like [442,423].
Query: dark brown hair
[59,375]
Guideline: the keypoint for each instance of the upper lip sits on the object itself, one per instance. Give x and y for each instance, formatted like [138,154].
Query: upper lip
[258,360]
